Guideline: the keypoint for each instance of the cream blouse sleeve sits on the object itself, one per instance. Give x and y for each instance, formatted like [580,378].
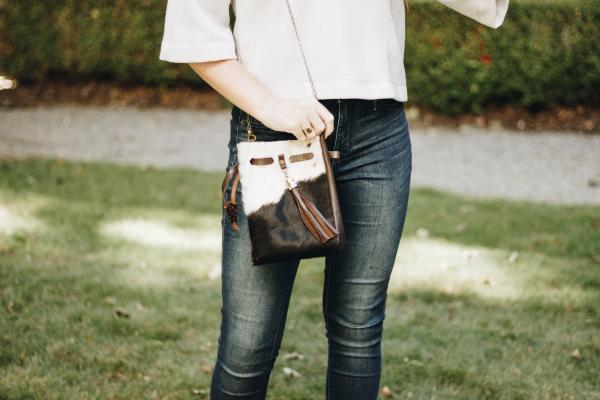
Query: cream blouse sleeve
[488,12]
[196,31]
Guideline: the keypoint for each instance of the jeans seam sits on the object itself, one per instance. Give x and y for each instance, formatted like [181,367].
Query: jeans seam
[237,132]
[350,126]
[334,161]
[337,128]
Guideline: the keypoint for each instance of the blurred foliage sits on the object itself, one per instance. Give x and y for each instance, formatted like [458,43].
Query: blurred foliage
[547,52]
[81,40]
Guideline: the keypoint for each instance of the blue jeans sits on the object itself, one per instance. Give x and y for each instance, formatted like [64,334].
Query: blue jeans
[372,178]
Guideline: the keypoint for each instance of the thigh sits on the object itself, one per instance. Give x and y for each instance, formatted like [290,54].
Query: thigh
[373,180]
[255,300]
[255,297]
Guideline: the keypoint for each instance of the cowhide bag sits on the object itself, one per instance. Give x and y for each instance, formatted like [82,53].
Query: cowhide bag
[289,194]
[289,198]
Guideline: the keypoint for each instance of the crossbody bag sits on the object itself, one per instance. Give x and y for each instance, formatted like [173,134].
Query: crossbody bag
[288,192]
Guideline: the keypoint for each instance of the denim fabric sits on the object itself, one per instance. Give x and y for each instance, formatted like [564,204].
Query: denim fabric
[372,178]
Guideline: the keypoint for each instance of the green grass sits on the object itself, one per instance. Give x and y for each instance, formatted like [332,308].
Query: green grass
[81,241]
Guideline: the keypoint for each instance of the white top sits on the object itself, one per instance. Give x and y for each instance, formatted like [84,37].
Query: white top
[354,48]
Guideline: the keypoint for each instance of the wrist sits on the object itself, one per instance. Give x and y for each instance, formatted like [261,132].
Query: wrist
[265,108]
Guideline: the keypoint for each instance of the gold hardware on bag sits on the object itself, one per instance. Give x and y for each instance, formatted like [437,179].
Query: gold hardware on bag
[251,135]
[289,181]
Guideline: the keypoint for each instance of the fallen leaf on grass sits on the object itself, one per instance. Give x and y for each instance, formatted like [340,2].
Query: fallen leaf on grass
[576,354]
[121,314]
[199,392]
[291,373]
[387,393]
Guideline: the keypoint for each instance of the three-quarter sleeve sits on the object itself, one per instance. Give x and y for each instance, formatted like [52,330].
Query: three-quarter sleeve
[196,31]
[488,12]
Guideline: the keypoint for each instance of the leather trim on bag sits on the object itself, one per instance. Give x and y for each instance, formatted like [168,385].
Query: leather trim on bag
[340,240]
[261,161]
[301,157]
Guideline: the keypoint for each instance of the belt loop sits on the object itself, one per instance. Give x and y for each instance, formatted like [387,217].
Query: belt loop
[375,105]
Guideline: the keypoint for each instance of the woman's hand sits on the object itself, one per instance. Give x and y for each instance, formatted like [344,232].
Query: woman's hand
[235,83]
[304,118]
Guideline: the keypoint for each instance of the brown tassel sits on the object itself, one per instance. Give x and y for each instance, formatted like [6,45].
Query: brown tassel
[316,223]
[312,218]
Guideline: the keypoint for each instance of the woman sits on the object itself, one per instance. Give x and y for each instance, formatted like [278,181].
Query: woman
[354,50]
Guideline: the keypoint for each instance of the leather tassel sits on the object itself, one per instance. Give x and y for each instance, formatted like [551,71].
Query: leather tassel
[312,218]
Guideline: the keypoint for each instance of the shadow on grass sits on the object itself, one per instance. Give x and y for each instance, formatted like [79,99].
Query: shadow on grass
[87,191]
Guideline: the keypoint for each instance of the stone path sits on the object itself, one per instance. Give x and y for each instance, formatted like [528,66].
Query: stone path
[545,167]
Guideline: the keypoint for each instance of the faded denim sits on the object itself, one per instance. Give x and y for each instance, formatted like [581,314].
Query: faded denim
[373,179]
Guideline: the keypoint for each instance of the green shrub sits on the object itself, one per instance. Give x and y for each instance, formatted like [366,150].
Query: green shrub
[547,52]
[81,40]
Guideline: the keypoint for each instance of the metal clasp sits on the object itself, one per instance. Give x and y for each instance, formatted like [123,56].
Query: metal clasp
[251,135]
[289,181]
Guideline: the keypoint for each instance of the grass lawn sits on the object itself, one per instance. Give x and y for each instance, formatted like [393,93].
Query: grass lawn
[110,289]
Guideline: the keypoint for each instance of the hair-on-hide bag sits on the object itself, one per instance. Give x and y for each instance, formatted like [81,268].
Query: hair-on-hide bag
[289,195]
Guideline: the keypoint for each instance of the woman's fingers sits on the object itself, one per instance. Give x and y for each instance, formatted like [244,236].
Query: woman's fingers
[304,118]
[299,132]
[318,125]
[326,117]
[308,128]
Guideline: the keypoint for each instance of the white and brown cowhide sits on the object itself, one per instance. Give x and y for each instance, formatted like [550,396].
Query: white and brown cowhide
[265,184]
[276,228]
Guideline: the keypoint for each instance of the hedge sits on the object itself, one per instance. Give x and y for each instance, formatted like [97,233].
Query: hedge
[547,53]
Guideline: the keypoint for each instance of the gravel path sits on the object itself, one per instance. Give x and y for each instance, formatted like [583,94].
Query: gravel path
[545,167]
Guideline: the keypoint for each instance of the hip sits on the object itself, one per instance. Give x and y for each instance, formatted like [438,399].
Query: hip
[361,127]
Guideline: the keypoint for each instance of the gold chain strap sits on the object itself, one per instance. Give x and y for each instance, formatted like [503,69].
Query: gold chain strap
[251,136]
[312,84]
